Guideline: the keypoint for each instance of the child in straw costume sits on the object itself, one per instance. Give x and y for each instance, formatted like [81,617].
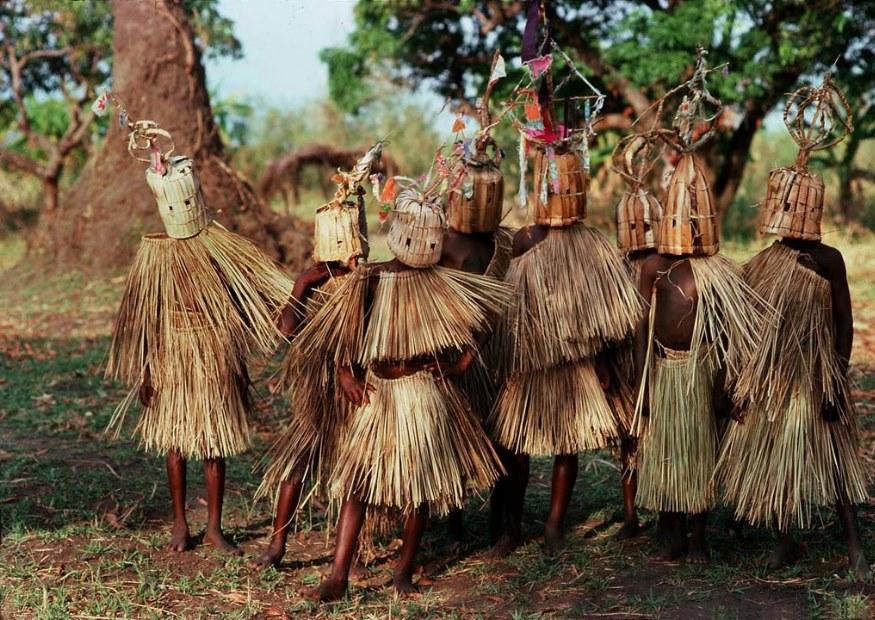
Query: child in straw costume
[638,215]
[306,450]
[413,443]
[699,330]
[476,243]
[798,445]
[572,297]
[198,301]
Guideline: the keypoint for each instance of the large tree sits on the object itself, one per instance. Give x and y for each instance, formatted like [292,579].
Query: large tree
[634,51]
[157,71]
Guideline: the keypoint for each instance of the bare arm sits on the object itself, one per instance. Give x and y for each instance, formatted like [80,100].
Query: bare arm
[642,335]
[843,322]
[311,278]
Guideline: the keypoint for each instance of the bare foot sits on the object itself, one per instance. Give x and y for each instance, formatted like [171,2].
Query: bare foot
[403,584]
[629,529]
[554,540]
[269,557]
[784,555]
[331,589]
[506,544]
[672,551]
[859,566]
[217,539]
[698,555]
[180,540]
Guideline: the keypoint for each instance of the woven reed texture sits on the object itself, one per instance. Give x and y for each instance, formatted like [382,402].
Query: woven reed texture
[483,209]
[419,312]
[181,204]
[677,449]
[416,235]
[638,217]
[416,442]
[306,449]
[337,234]
[568,205]
[192,311]
[573,296]
[794,204]
[785,459]
[561,410]
[689,224]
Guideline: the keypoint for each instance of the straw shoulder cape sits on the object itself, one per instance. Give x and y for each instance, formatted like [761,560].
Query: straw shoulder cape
[785,459]
[573,296]
[416,441]
[319,412]
[677,450]
[192,312]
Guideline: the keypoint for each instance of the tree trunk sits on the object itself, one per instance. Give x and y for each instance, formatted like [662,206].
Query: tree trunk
[847,207]
[731,171]
[158,74]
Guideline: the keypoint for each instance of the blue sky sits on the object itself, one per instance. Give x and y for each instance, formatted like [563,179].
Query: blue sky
[281,42]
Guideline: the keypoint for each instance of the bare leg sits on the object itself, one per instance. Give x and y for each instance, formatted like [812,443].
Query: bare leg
[631,527]
[698,549]
[674,538]
[180,539]
[564,477]
[856,559]
[515,498]
[498,501]
[214,473]
[456,525]
[290,494]
[352,516]
[787,551]
[413,529]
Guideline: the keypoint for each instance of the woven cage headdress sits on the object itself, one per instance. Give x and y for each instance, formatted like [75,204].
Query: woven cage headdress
[560,145]
[817,118]
[690,223]
[340,226]
[172,178]
[638,212]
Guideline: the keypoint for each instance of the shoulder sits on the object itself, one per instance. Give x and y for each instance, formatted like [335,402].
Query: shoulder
[525,239]
[831,260]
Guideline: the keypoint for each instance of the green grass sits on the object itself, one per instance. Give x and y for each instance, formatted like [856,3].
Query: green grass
[85,517]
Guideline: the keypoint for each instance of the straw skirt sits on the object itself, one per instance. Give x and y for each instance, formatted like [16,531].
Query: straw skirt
[562,410]
[785,460]
[192,311]
[677,449]
[415,442]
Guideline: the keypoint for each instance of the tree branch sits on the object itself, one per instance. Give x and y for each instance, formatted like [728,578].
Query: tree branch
[22,163]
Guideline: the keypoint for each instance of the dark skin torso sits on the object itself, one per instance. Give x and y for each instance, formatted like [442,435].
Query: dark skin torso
[470,252]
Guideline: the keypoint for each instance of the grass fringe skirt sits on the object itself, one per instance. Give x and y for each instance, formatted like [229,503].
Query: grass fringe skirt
[415,442]
[192,311]
[562,410]
[677,449]
[785,459]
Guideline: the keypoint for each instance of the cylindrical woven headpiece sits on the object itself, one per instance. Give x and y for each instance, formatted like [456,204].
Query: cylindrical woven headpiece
[560,187]
[638,217]
[689,224]
[338,234]
[416,235]
[180,201]
[817,118]
[476,206]
[794,204]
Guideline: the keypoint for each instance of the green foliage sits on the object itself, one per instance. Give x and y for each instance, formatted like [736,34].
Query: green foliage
[346,85]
